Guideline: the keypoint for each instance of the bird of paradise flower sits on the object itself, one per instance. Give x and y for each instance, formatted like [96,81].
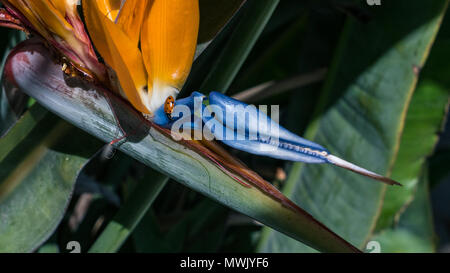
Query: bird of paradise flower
[147,48]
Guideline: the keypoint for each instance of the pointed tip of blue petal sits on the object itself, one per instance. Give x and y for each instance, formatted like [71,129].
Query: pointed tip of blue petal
[359,170]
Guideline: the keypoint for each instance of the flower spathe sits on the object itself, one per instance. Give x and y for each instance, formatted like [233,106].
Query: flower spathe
[59,23]
[149,45]
[167,32]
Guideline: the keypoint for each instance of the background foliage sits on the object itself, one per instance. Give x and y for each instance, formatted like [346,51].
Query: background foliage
[368,82]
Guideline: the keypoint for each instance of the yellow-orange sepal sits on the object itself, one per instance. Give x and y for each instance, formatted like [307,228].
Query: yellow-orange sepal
[167,32]
[119,52]
[130,18]
[168,41]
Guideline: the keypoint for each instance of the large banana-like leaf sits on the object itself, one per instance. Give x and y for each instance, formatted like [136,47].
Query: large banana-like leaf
[40,159]
[424,121]
[32,69]
[361,118]
[414,231]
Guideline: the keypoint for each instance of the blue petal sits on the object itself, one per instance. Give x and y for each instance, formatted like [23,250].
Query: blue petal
[244,133]
[160,117]
[253,132]
[228,104]
[272,140]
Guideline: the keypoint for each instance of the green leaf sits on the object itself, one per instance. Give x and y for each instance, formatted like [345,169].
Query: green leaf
[255,16]
[414,232]
[198,226]
[423,124]
[273,55]
[148,237]
[402,241]
[131,213]
[51,246]
[23,129]
[39,162]
[85,106]
[361,117]
[424,120]
[199,229]
[214,16]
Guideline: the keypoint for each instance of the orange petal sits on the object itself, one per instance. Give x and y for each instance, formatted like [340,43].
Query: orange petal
[110,8]
[25,9]
[130,18]
[169,39]
[120,53]
[50,19]
[64,6]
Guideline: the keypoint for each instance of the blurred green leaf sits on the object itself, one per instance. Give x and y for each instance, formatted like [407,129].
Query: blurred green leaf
[423,122]
[51,246]
[128,217]
[87,215]
[204,227]
[199,230]
[40,159]
[256,14]
[415,232]
[361,118]
[214,17]
[316,53]
[402,241]
[423,125]
[272,63]
[439,169]
[23,129]
[149,238]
